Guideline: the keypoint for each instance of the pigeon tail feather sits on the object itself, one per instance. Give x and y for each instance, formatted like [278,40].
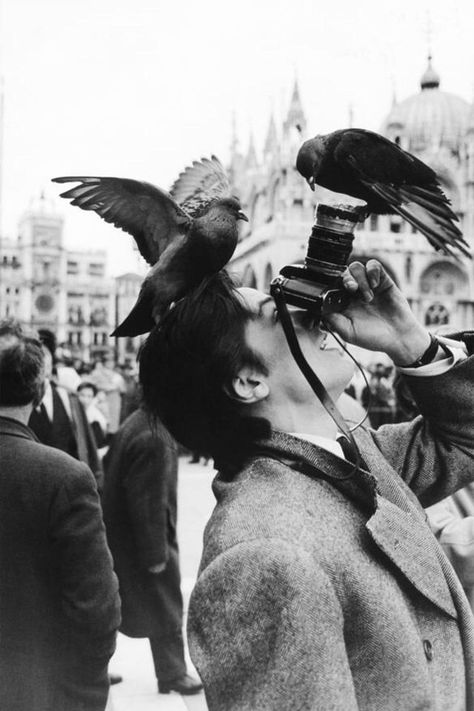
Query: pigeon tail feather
[439,231]
[139,320]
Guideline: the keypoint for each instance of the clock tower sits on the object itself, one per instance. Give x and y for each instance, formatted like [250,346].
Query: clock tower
[43,258]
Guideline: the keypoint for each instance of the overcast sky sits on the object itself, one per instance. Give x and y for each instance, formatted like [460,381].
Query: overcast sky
[140,88]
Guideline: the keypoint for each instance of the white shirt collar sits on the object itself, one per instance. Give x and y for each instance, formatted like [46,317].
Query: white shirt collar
[331,445]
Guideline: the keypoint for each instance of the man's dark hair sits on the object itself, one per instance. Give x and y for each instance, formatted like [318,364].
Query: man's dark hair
[21,366]
[189,358]
[86,385]
[48,339]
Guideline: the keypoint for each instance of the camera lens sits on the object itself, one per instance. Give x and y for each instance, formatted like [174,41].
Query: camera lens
[330,243]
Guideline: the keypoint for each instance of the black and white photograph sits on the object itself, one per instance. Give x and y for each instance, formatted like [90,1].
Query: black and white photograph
[236,331]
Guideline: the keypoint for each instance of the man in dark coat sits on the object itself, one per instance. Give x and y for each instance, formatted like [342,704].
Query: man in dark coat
[60,420]
[139,503]
[59,604]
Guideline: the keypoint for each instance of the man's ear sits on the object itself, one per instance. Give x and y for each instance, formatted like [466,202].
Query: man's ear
[248,386]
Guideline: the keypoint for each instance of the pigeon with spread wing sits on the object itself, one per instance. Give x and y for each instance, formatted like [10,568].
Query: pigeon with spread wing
[185,235]
[368,166]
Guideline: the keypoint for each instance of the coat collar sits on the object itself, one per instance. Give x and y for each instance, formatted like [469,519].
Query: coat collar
[15,428]
[396,522]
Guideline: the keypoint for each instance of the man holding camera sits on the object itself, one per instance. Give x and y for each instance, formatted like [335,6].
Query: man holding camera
[321,585]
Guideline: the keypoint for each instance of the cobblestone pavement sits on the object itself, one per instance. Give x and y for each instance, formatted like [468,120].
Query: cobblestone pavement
[132,660]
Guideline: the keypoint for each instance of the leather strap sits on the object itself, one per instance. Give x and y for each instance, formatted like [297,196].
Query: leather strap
[313,380]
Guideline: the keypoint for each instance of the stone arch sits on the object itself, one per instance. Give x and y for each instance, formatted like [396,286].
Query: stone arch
[443,279]
[275,193]
[248,277]
[258,207]
[436,315]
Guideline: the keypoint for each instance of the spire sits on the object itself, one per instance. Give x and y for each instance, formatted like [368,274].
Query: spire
[271,141]
[234,141]
[430,79]
[295,117]
[251,157]
[350,115]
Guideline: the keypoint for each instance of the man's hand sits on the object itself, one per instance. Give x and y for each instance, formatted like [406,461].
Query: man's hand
[379,317]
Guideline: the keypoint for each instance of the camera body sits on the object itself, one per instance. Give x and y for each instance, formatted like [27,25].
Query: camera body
[315,285]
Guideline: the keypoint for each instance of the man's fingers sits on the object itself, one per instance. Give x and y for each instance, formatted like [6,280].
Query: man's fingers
[367,279]
[374,273]
[356,279]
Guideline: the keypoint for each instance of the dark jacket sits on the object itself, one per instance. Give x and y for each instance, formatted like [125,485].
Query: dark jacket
[323,589]
[139,503]
[59,605]
[70,433]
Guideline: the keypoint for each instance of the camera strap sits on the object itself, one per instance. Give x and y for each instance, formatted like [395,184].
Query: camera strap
[313,380]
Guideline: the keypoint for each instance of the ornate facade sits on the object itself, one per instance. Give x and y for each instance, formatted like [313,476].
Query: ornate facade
[436,126]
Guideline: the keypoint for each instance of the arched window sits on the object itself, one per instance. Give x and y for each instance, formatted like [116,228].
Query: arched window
[249,278]
[444,279]
[436,315]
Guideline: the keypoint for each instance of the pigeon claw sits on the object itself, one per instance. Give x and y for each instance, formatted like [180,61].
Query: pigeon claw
[242,216]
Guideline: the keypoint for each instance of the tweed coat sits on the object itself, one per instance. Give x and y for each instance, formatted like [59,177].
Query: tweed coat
[139,503]
[323,590]
[59,604]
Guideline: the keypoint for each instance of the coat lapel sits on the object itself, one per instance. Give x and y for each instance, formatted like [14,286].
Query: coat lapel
[411,547]
[396,522]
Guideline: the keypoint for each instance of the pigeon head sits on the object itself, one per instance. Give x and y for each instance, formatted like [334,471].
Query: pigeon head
[232,205]
[309,158]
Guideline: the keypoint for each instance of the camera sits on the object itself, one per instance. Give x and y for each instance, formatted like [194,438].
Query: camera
[315,285]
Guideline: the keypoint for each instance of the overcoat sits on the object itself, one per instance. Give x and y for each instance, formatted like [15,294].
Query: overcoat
[59,604]
[324,589]
[139,503]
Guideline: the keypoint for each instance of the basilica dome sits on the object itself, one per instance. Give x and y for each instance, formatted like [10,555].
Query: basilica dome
[429,120]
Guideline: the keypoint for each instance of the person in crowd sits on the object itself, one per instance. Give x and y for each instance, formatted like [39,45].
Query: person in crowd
[87,393]
[66,374]
[59,604]
[379,397]
[140,509]
[321,585]
[60,420]
[452,522]
[111,383]
[131,391]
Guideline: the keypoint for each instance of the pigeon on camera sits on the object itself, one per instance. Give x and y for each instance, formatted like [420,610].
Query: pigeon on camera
[368,166]
[185,235]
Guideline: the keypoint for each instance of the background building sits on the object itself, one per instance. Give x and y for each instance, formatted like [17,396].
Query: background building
[48,286]
[436,126]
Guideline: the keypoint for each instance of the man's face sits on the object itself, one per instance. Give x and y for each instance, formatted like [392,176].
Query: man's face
[48,363]
[264,335]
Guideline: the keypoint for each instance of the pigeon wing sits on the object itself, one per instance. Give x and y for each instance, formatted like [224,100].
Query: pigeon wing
[408,186]
[199,184]
[149,214]
[381,160]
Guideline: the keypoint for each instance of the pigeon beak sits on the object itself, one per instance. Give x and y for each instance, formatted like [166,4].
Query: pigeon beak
[242,216]
[310,182]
